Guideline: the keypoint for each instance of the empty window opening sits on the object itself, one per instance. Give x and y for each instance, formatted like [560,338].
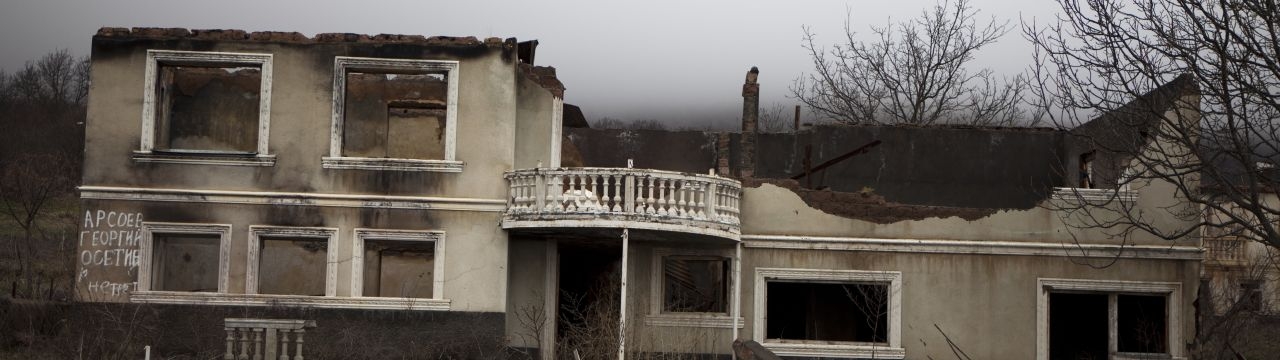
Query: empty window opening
[1251,295]
[395,115]
[292,266]
[207,108]
[1086,170]
[1078,326]
[185,262]
[1140,323]
[828,311]
[399,269]
[695,284]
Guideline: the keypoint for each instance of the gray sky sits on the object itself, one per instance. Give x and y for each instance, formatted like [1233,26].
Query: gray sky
[673,61]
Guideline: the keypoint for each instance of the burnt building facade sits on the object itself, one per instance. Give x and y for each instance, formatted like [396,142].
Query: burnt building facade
[383,185]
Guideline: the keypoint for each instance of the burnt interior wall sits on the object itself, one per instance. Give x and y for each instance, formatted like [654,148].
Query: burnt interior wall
[936,166]
[207,108]
[399,269]
[939,166]
[395,115]
[185,262]
[292,266]
[683,151]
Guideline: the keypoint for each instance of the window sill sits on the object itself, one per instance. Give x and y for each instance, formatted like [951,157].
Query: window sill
[210,158]
[1139,356]
[1095,196]
[835,350]
[692,320]
[330,302]
[358,163]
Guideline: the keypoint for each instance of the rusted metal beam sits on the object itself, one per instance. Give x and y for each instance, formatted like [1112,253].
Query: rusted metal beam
[808,171]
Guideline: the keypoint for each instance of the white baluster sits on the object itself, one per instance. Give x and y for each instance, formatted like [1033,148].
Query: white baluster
[244,343]
[573,193]
[663,187]
[257,344]
[284,344]
[680,206]
[649,202]
[549,190]
[604,199]
[231,345]
[297,355]
[617,193]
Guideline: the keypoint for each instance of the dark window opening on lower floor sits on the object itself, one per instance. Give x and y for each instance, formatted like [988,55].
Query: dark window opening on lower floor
[293,266]
[210,109]
[827,312]
[399,269]
[1251,295]
[1141,324]
[185,262]
[695,284]
[1078,326]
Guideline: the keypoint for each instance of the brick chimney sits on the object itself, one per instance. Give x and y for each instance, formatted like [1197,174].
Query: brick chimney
[750,116]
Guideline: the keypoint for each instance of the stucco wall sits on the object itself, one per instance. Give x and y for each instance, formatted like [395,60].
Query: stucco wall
[986,304]
[300,124]
[534,124]
[474,257]
[301,104]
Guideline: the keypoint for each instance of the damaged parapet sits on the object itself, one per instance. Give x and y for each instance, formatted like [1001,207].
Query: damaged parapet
[750,116]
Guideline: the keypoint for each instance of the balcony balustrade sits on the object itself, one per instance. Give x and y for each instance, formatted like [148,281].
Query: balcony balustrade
[623,197]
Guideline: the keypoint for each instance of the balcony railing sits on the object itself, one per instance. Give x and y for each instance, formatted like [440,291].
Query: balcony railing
[623,197]
[1225,251]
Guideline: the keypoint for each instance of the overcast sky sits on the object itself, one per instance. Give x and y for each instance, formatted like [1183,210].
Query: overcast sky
[674,61]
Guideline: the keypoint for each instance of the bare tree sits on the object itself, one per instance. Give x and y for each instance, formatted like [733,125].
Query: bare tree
[914,72]
[775,119]
[28,184]
[42,108]
[1184,98]
[1189,92]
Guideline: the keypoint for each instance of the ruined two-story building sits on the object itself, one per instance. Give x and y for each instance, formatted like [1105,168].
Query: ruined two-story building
[411,194]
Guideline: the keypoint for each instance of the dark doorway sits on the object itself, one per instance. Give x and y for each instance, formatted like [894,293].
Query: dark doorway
[1077,326]
[587,309]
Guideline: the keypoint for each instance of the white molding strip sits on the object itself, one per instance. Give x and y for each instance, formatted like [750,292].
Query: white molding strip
[328,302]
[971,247]
[836,351]
[693,320]
[1094,196]
[359,163]
[291,198]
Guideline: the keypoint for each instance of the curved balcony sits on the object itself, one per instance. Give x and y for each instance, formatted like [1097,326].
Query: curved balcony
[615,198]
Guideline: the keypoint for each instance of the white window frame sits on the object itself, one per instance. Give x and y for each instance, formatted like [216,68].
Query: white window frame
[434,236]
[657,297]
[343,64]
[831,349]
[1172,292]
[149,229]
[257,232]
[157,58]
